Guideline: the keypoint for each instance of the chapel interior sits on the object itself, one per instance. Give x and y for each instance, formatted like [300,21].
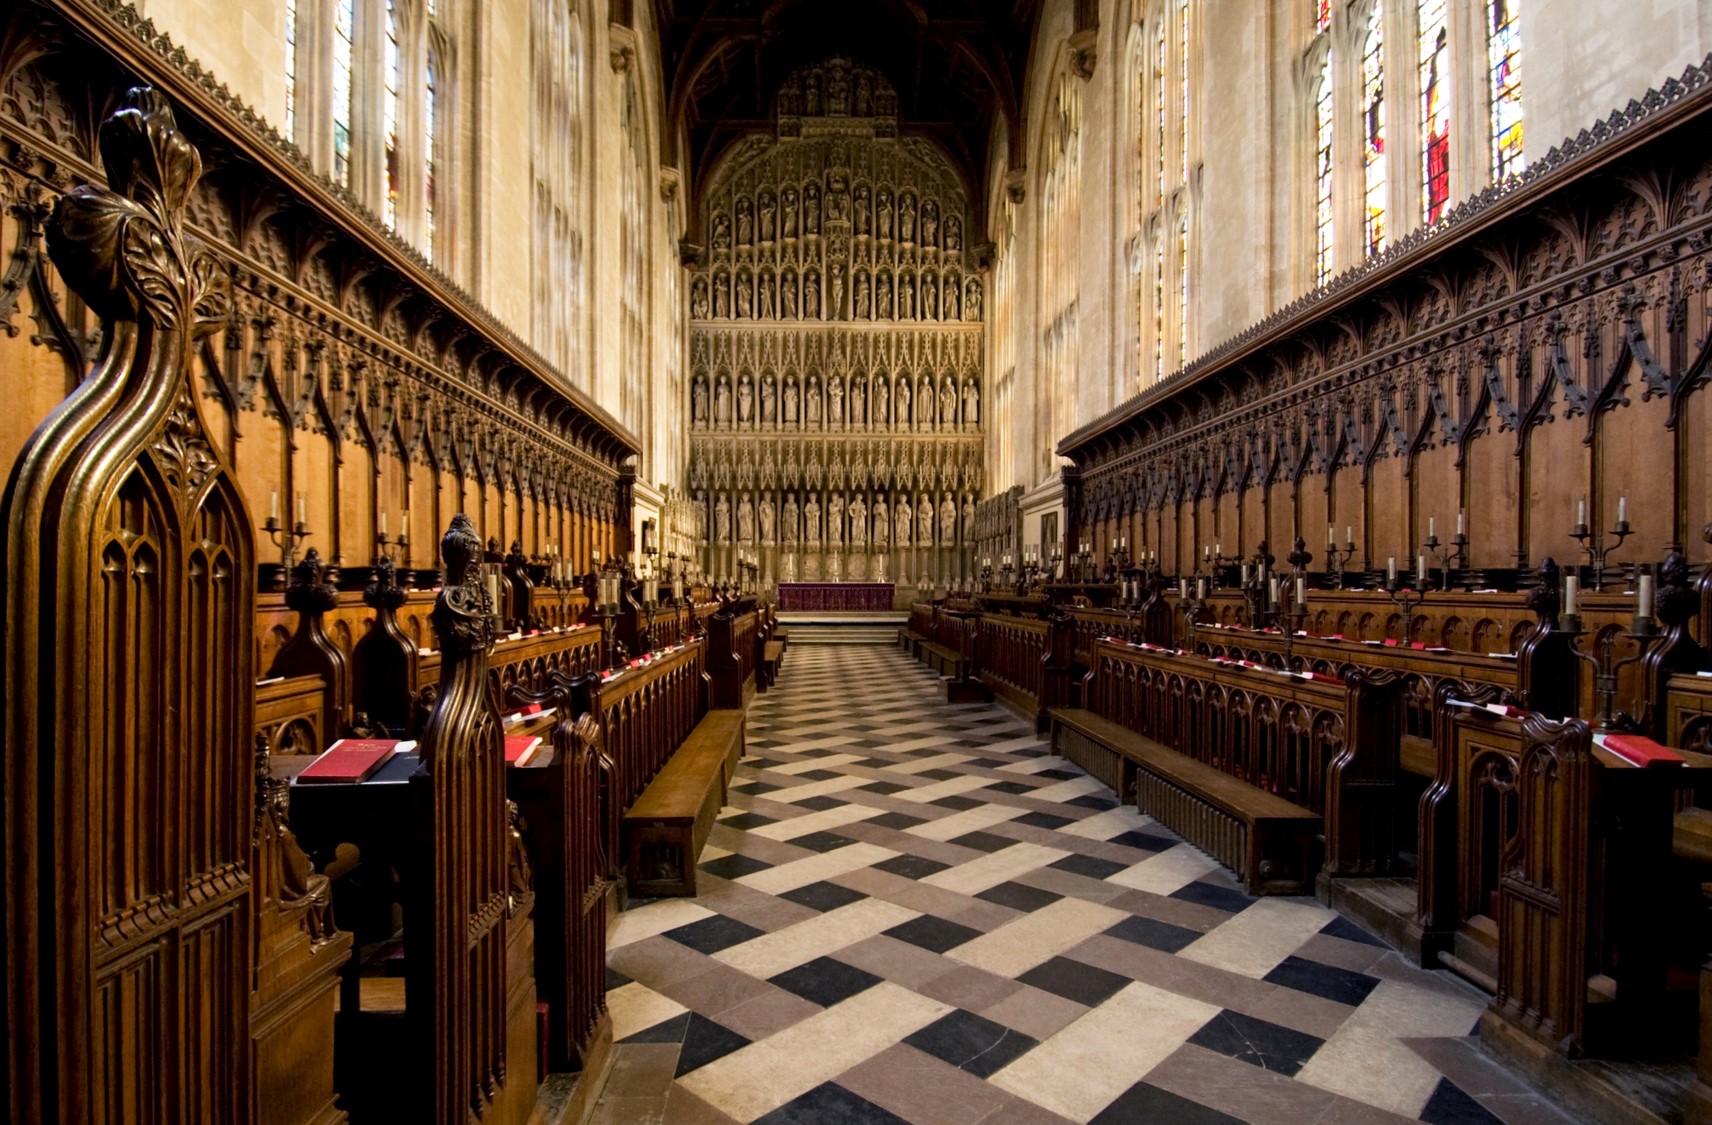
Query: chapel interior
[663,562]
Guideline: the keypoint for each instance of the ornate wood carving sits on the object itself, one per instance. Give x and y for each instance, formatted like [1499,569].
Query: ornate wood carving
[129,568]
[461,894]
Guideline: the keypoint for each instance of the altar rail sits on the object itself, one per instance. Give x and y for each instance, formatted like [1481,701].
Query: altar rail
[837,597]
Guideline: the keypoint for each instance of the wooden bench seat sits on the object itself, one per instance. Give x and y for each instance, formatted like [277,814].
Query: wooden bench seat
[772,657]
[1269,842]
[665,830]
[946,661]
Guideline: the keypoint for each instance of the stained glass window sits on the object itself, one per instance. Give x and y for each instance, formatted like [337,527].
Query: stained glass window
[1373,154]
[1435,108]
[1322,15]
[389,116]
[291,69]
[1504,50]
[1323,215]
[344,21]
[431,113]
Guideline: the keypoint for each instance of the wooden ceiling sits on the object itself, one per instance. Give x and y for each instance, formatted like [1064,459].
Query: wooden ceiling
[956,64]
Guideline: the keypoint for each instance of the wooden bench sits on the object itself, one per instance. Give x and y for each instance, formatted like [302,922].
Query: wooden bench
[1272,844]
[772,657]
[665,830]
[918,632]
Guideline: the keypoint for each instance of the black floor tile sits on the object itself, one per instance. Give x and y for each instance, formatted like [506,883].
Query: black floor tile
[820,841]
[969,1042]
[1011,787]
[1216,895]
[958,804]
[615,979]
[1154,934]
[1094,801]
[820,803]
[753,786]
[734,866]
[670,1031]
[985,763]
[1145,841]
[883,788]
[830,1104]
[1043,820]
[983,841]
[1450,1106]
[895,819]
[939,775]
[1059,775]
[1341,927]
[825,981]
[748,820]
[1091,866]
[823,896]
[1257,1042]
[934,934]
[710,935]
[1073,980]
[819,775]
[1142,1102]
[1329,981]
[705,1041]
[911,866]
[1017,896]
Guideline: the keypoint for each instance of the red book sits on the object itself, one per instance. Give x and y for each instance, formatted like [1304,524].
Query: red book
[520,749]
[1389,643]
[349,761]
[1642,751]
[1417,644]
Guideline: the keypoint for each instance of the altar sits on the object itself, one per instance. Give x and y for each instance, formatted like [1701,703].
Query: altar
[838,597]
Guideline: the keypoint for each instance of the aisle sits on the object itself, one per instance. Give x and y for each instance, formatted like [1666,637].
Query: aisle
[911,912]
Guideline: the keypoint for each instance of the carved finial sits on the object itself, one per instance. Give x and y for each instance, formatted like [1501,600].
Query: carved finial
[385,591]
[1546,598]
[515,557]
[1675,599]
[312,588]
[1300,556]
[462,616]
[461,550]
[123,248]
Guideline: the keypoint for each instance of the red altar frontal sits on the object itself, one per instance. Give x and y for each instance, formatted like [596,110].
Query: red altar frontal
[841,597]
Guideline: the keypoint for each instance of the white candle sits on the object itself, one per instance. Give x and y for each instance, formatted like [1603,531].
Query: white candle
[301,509]
[1421,569]
[1206,552]
[1571,587]
[1301,591]
[1644,597]
[1432,526]
[404,525]
[1391,568]
[1201,588]
[1114,544]
[1272,592]
[1123,542]
[1219,550]
[1349,537]
[1581,513]
[1331,537]
[273,505]
[383,524]
[1622,509]
[1183,588]
[1461,523]
[1245,574]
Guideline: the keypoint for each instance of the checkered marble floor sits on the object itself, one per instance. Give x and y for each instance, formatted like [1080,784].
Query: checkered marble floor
[912,912]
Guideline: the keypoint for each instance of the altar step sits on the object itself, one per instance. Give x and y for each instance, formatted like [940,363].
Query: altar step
[811,628]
